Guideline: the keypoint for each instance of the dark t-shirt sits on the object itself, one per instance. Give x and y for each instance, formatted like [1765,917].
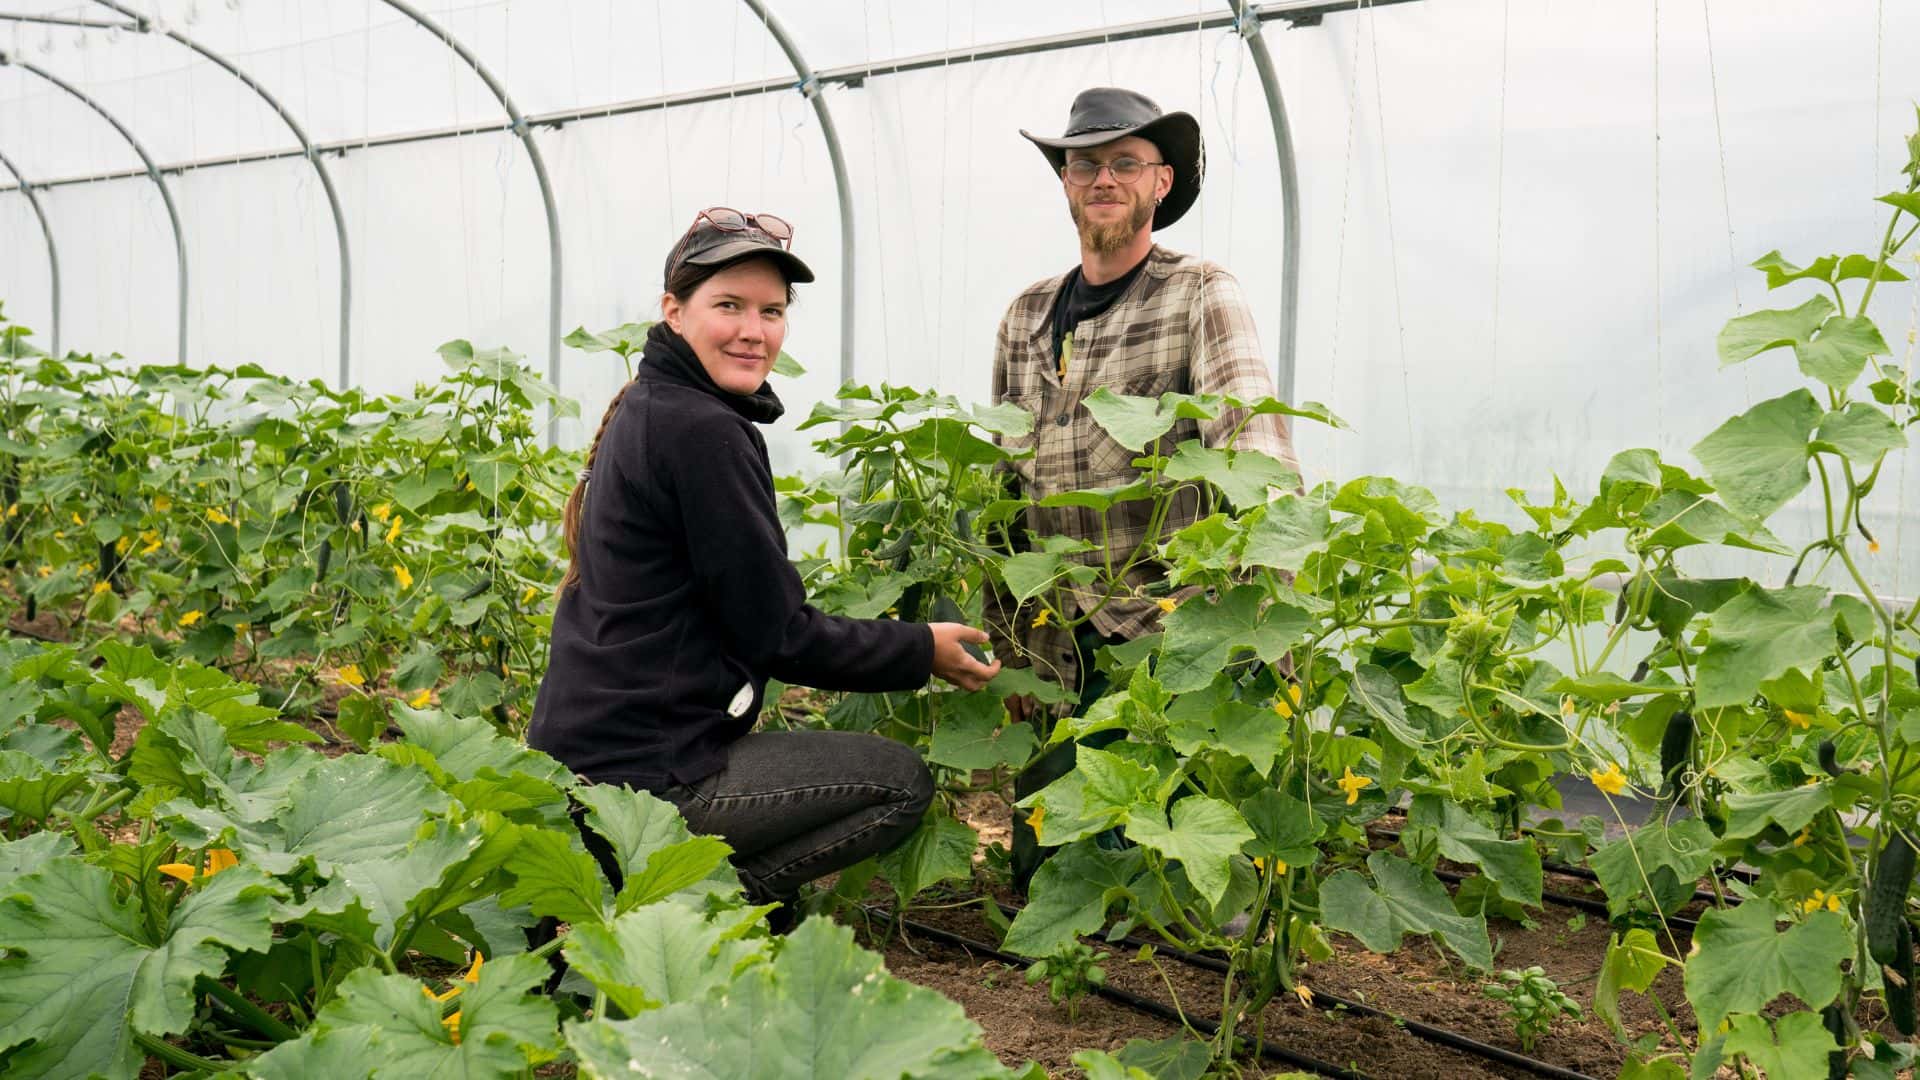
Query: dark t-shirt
[1079,301]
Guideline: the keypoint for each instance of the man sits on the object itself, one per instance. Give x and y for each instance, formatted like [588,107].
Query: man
[1137,319]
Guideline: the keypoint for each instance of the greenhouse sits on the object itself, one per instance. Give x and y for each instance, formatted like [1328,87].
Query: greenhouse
[964,539]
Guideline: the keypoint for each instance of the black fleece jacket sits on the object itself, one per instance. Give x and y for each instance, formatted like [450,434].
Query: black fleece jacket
[687,602]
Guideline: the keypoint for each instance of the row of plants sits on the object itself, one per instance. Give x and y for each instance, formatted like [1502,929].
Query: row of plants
[1327,656]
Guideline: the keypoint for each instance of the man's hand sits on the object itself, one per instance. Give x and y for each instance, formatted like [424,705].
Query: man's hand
[952,662]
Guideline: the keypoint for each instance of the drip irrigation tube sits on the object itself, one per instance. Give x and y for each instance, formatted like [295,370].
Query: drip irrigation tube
[1148,1006]
[1324,1000]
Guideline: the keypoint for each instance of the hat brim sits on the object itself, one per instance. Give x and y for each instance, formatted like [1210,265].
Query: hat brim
[740,250]
[1177,134]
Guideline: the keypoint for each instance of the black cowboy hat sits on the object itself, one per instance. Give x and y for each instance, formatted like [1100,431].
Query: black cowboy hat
[1104,114]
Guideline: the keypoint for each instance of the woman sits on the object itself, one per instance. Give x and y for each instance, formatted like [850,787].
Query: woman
[680,602]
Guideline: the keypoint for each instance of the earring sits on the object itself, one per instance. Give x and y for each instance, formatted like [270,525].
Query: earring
[1157,202]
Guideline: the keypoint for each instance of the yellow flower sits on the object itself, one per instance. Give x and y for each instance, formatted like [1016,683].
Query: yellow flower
[1034,819]
[1611,781]
[350,676]
[1820,899]
[163,504]
[242,627]
[45,570]
[1566,707]
[86,568]
[1799,720]
[1806,835]
[1167,604]
[1259,863]
[1873,547]
[13,510]
[394,532]
[1352,784]
[219,859]
[1286,703]
[121,545]
[1042,619]
[354,525]
[182,871]
[153,542]
[1305,995]
[1279,866]
[214,515]
[527,597]
[473,973]
[382,511]
[403,576]
[422,699]
[452,1024]
[191,617]
[101,586]
[78,522]
[59,534]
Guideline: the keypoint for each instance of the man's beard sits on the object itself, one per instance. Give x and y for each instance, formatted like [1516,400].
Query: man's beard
[1114,236]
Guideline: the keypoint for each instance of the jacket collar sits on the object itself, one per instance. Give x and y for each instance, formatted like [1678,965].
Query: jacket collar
[667,357]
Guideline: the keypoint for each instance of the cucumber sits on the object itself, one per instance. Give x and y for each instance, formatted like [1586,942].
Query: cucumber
[324,561]
[899,549]
[1676,749]
[1900,996]
[1834,1019]
[342,503]
[475,589]
[1830,759]
[1886,911]
[945,610]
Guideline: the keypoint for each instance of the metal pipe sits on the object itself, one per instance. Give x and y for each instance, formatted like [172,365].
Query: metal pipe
[145,25]
[1249,30]
[1299,14]
[166,194]
[66,20]
[46,230]
[810,89]
[518,125]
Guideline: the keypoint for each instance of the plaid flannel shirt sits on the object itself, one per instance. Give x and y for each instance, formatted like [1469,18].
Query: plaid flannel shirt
[1182,326]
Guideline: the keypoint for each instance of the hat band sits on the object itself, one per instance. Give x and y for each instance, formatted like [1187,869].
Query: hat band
[1122,125]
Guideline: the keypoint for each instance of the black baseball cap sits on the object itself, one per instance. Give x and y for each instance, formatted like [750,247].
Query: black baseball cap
[707,244]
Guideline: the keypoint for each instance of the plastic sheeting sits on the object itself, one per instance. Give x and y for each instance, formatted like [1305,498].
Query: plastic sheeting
[1523,223]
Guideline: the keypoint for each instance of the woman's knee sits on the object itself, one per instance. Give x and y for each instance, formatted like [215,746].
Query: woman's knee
[906,775]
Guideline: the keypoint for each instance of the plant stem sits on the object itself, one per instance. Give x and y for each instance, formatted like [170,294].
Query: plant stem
[178,1058]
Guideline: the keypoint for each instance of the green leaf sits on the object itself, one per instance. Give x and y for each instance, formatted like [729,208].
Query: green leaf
[1780,271]
[1014,681]
[1205,836]
[1672,856]
[1839,353]
[1380,695]
[662,954]
[30,790]
[1244,477]
[337,1055]
[1748,814]
[433,876]
[1750,335]
[977,740]
[1758,460]
[1681,519]
[671,869]
[1744,961]
[1133,422]
[1284,828]
[1177,1058]
[1202,636]
[1633,961]
[824,1007]
[1288,531]
[504,1030]
[81,972]
[1512,865]
[1403,899]
[554,876]
[1861,433]
[29,853]
[1406,512]
[1094,797]
[1070,895]
[1802,1049]
[1606,687]
[1759,635]
[941,849]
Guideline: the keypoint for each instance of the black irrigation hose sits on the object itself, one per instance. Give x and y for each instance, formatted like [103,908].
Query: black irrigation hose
[1584,903]
[1703,896]
[1148,1006]
[1416,1028]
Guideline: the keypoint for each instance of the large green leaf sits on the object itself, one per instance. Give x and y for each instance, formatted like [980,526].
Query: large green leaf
[1744,961]
[657,854]
[1748,814]
[976,738]
[1070,895]
[1403,899]
[1406,512]
[824,1007]
[1758,460]
[1839,352]
[1284,828]
[467,746]
[81,972]
[1205,836]
[1512,865]
[1801,1048]
[1095,796]
[30,853]
[1633,961]
[662,954]
[554,876]
[1289,529]
[1244,477]
[28,789]
[1202,636]
[941,849]
[1760,635]
[1132,421]
[436,874]
[1671,858]
[1750,335]
[1861,433]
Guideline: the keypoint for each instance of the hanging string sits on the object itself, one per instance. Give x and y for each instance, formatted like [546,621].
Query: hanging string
[1659,364]
[1393,243]
[927,303]
[460,177]
[879,233]
[666,127]
[1499,193]
[1340,247]
[1726,202]
[940,265]
[733,80]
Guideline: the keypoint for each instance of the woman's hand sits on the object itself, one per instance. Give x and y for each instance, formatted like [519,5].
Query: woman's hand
[952,661]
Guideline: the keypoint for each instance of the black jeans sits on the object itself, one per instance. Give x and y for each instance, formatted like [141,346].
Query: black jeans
[797,805]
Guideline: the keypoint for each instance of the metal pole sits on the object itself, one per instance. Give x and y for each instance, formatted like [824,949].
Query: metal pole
[520,128]
[166,194]
[65,20]
[1248,26]
[46,230]
[810,89]
[145,25]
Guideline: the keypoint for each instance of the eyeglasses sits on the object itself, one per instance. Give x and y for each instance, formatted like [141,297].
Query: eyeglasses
[1125,170]
[729,220]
